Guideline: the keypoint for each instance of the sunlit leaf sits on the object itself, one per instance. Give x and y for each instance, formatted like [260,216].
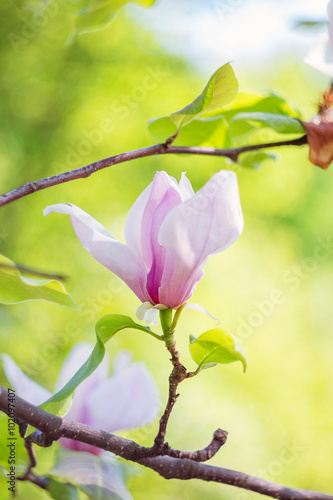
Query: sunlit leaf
[279,123]
[100,14]
[62,491]
[106,327]
[222,88]
[15,288]
[216,346]
[99,477]
[211,131]
[246,102]
[255,159]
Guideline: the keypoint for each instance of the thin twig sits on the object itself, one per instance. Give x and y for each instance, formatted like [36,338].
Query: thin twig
[178,374]
[207,453]
[167,467]
[34,272]
[42,482]
[31,455]
[158,149]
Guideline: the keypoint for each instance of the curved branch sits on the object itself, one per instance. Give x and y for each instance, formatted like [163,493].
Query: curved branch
[170,468]
[158,149]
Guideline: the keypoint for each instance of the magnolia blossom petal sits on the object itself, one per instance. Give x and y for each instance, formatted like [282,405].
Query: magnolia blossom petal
[185,187]
[122,361]
[74,360]
[204,225]
[128,399]
[164,196]
[202,310]
[134,222]
[24,386]
[138,223]
[320,56]
[149,313]
[118,258]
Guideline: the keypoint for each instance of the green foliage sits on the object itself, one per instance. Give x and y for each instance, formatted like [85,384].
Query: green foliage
[62,491]
[99,477]
[255,159]
[216,346]
[100,14]
[15,288]
[280,123]
[221,89]
[211,131]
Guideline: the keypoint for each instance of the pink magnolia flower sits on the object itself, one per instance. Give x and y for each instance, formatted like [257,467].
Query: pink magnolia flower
[127,399]
[320,56]
[170,233]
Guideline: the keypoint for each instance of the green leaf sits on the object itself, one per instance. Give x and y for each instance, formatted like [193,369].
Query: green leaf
[310,24]
[249,103]
[99,477]
[62,491]
[211,131]
[222,88]
[14,288]
[255,159]
[105,328]
[279,123]
[101,14]
[216,346]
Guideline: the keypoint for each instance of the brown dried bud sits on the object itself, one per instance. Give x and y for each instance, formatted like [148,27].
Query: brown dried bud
[320,132]
[320,140]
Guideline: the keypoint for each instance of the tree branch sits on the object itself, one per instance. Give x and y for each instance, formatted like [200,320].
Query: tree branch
[158,149]
[168,467]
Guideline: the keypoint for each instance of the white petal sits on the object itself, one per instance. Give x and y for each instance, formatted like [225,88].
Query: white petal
[142,309]
[199,308]
[320,56]
[129,399]
[151,316]
[185,187]
[149,313]
[122,361]
[118,258]
[24,386]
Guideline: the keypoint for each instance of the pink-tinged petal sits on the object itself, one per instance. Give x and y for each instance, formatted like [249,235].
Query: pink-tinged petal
[79,410]
[122,361]
[139,223]
[117,257]
[74,360]
[24,386]
[320,56]
[127,400]
[204,225]
[71,444]
[185,187]
[170,200]
[134,222]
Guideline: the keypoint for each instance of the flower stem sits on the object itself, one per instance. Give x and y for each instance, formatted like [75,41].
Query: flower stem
[176,317]
[166,323]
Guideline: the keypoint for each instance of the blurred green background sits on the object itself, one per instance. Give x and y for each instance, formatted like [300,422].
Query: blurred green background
[279,414]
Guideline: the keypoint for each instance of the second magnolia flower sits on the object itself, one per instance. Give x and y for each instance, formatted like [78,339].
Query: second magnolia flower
[170,232]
